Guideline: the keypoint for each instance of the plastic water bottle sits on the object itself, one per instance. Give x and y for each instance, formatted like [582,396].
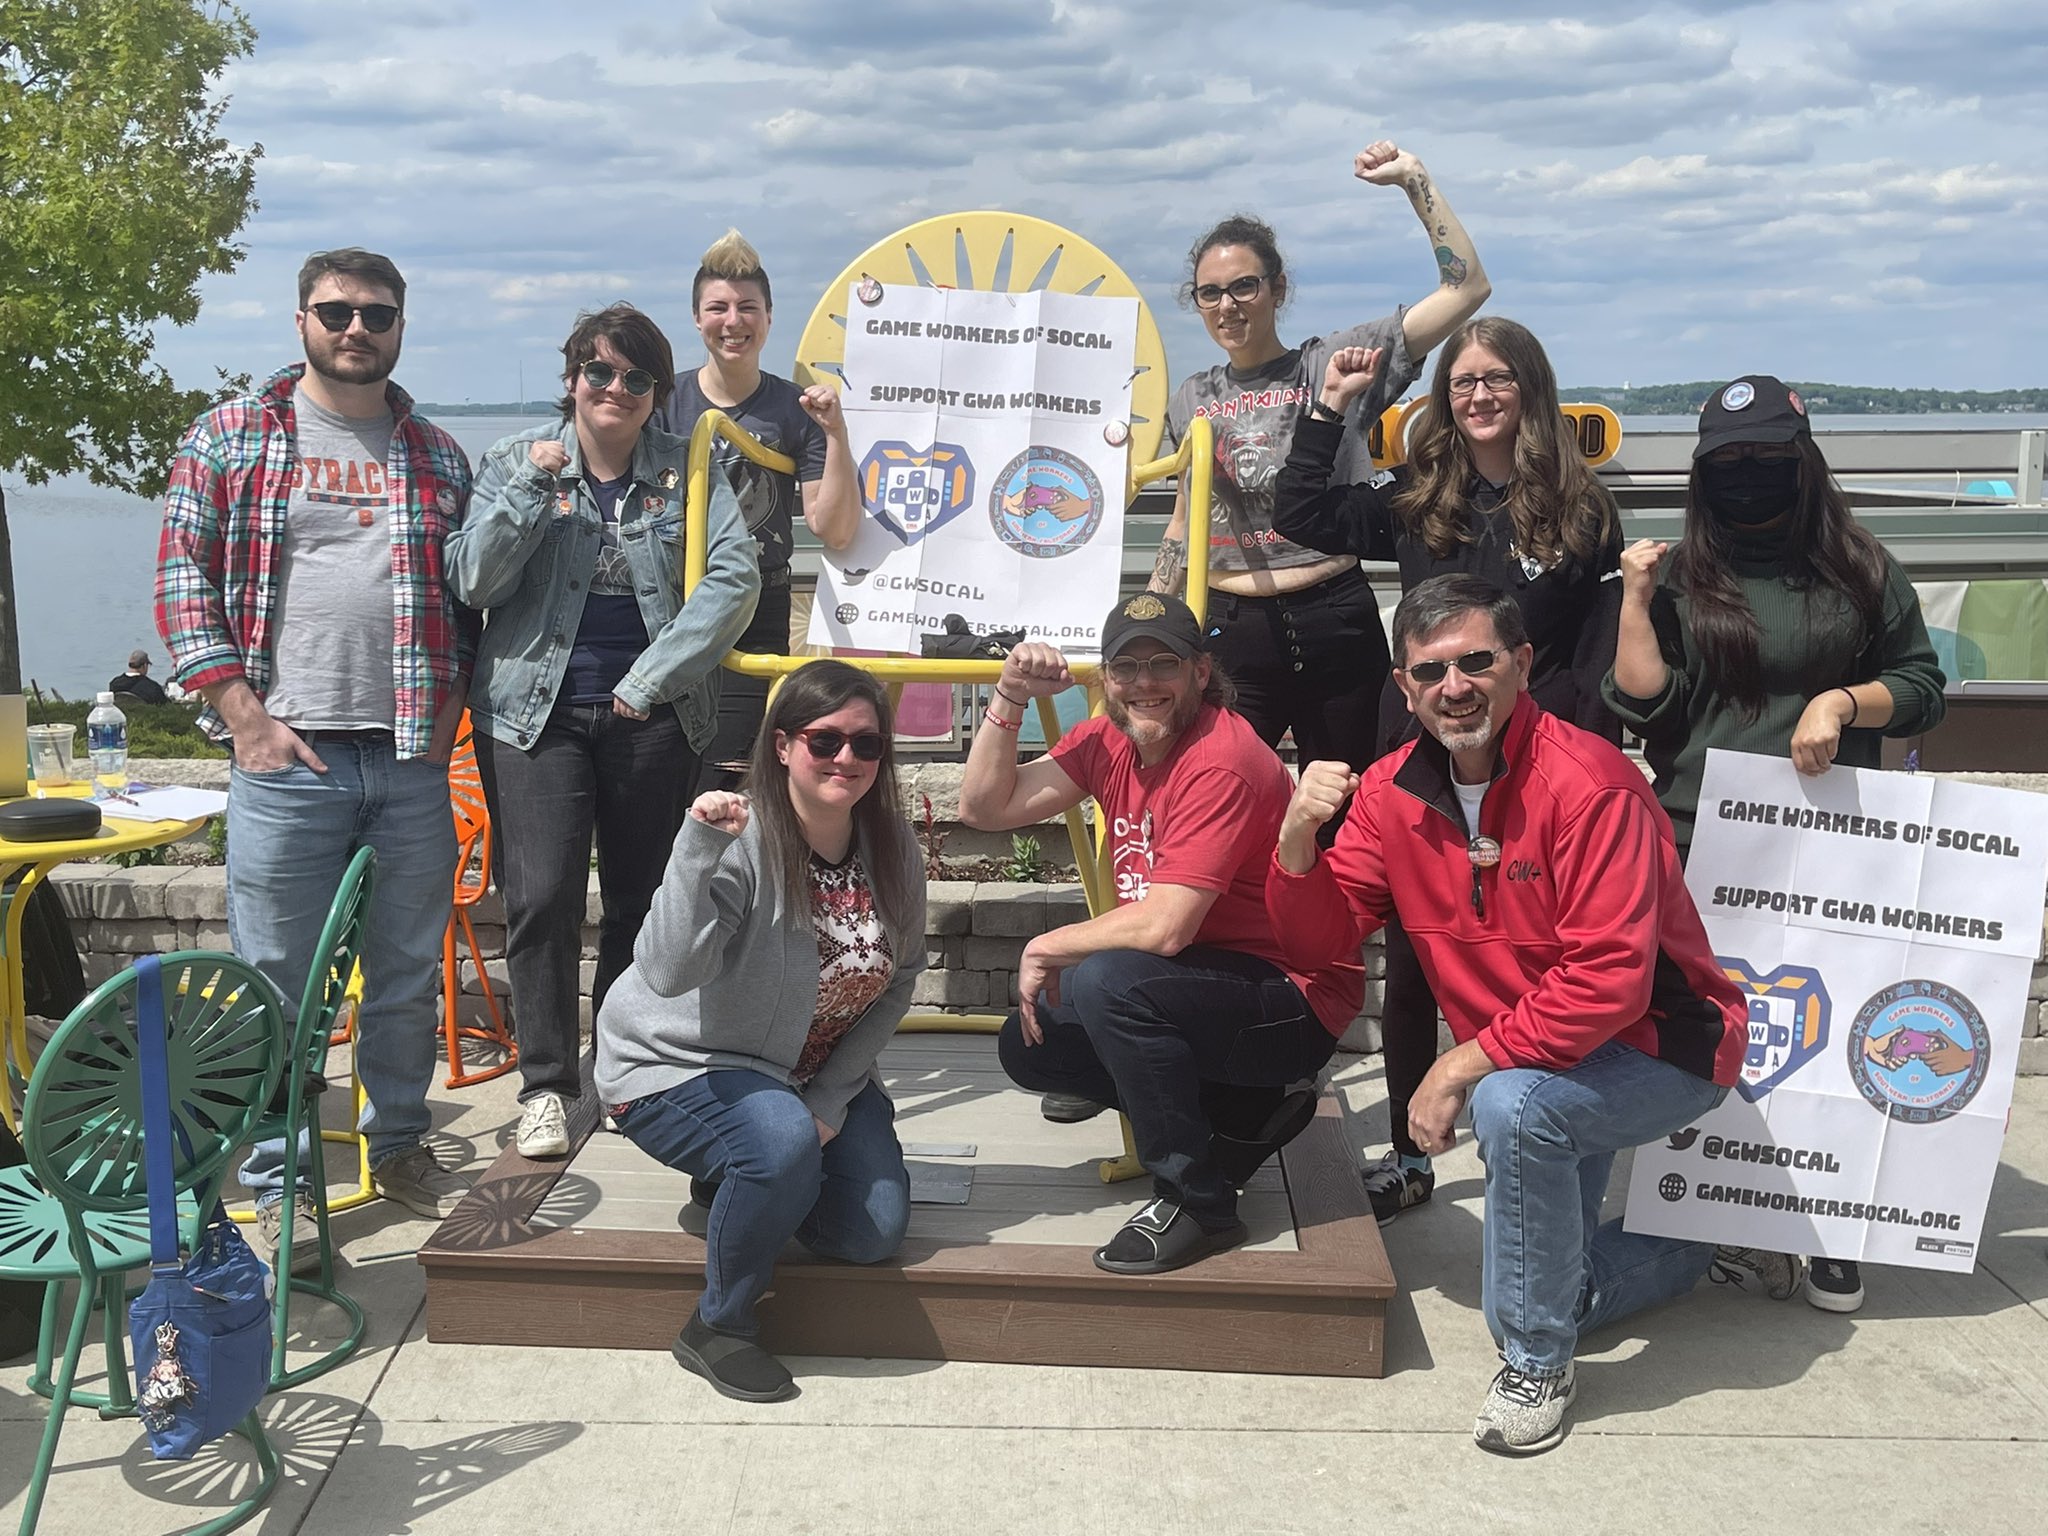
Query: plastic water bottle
[106,737]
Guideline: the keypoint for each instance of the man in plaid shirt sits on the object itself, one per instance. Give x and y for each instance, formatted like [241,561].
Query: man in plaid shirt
[299,591]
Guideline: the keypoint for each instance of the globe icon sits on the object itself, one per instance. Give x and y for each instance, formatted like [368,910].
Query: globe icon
[1672,1187]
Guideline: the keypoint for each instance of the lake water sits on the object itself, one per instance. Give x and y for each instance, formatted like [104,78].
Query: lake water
[85,556]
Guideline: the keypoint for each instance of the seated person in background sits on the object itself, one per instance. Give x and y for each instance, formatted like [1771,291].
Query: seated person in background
[136,681]
[775,963]
[1176,1006]
[1536,875]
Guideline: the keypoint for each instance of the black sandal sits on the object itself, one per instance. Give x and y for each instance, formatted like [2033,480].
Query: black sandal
[1163,1236]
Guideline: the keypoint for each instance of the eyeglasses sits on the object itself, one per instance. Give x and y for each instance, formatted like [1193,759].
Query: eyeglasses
[1162,668]
[337,316]
[1471,664]
[1498,381]
[1241,291]
[599,375]
[868,746]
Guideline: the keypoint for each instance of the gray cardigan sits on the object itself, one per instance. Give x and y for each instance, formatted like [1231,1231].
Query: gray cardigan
[722,978]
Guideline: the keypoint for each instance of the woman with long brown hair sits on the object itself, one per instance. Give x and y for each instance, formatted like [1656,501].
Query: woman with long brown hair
[776,961]
[1778,625]
[1493,485]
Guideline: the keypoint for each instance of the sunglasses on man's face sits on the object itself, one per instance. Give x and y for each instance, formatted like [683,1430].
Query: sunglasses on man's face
[868,746]
[599,375]
[1472,664]
[336,316]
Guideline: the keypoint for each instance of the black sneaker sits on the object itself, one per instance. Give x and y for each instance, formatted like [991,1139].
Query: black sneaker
[1069,1108]
[1834,1285]
[1393,1188]
[738,1368]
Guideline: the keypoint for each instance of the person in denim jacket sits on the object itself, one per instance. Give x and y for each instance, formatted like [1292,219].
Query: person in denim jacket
[596,685]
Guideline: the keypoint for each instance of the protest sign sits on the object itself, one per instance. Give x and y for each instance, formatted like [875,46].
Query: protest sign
[1883,926]
[989,432]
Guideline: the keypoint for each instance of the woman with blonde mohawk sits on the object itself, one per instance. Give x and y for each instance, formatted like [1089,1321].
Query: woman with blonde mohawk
[732,306]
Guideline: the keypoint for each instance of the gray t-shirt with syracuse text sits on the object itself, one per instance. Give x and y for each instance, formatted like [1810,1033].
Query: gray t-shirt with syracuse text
[332,651]
[1252,415]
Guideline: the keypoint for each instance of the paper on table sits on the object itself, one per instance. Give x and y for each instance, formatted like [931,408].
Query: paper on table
[176,802]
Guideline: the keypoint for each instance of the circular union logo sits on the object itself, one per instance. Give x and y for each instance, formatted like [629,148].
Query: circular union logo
[1672,1187]
[1919,1051]
[1737,395]
[846,613]
[1046,503]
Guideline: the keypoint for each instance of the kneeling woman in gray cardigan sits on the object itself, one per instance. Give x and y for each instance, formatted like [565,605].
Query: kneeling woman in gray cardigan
[775,963]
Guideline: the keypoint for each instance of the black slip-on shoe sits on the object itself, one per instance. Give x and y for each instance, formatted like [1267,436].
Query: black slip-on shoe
[1238,1158]
[737,1368]
[1069,1108]
[1163,1236]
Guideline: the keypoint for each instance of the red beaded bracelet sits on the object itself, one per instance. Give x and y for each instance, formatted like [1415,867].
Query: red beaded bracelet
[999,722]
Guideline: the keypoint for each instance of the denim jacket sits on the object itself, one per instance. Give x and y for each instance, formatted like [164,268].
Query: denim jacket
[527,558]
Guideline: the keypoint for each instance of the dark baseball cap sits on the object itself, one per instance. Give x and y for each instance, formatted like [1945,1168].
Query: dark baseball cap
[1151,615]
[1755,408]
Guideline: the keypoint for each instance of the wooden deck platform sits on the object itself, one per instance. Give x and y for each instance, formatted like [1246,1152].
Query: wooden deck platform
[591,1252]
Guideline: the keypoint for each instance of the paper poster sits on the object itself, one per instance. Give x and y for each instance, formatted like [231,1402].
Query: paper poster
[989,434]
[1883,926]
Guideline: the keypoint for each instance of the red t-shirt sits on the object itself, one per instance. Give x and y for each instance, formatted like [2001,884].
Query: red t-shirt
[1207,817]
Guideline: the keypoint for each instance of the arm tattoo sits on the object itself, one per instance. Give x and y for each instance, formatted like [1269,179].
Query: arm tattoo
[1424,197]
[1452,266]
[1170,566]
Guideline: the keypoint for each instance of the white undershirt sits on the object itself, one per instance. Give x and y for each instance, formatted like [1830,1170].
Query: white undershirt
[1469,796]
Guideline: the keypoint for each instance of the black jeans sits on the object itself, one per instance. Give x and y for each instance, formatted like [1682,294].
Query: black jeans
[590,769]
[1313,661]
[1205,1041]
[742,701]
[1407,1032]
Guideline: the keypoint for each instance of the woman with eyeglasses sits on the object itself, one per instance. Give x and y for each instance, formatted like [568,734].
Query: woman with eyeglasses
[733,307]
[1778,625]
[595,682]
[1297,629]
[740,1046]
[1493,485]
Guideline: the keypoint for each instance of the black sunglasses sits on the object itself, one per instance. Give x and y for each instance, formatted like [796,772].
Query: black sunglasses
[1472,664]
[868,746]
[599,375]
[336,316]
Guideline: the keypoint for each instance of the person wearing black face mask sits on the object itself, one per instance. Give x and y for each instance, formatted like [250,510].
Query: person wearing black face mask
[1777,625]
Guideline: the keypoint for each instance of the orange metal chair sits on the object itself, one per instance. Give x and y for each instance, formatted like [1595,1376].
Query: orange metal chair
[472,880]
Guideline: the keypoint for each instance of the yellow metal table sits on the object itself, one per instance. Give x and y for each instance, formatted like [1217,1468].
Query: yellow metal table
[23,867]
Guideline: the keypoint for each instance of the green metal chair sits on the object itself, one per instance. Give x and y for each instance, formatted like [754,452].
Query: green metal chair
[341,941]
[80,1210]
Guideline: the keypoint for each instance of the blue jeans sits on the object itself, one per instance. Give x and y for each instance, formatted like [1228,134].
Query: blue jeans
[1189,1045]
[291,834]
[849,1199]
[1548,1140]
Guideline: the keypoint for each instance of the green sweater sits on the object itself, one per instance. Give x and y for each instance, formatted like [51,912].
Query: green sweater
[1812,641]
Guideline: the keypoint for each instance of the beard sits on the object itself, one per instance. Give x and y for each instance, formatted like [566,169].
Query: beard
[1468,735]
[1152,733]
[328,355]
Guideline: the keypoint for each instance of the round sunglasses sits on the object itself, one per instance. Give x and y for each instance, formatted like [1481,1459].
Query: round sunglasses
[599,375]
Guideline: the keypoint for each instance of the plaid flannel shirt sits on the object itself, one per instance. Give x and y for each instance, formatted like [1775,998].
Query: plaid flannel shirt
[218,573]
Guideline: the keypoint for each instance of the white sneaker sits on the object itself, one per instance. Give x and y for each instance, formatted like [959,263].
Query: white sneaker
[543,1127]
[1524,1414]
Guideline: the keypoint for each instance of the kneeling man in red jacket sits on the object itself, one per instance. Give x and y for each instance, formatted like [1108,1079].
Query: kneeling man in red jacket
[1537,876]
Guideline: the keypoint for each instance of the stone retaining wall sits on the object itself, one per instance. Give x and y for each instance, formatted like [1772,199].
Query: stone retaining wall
[978,932]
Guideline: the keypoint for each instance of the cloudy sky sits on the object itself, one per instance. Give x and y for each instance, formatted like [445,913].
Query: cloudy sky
[1842,190]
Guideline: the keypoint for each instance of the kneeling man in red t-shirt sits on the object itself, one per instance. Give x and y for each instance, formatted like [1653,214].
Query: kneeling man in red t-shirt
[1176,1005]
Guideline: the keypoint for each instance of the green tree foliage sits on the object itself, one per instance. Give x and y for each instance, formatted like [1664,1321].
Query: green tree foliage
[117,195]
[1823,399]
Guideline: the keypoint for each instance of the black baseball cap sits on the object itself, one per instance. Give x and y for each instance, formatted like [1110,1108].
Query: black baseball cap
[1151,615]
[1755,408]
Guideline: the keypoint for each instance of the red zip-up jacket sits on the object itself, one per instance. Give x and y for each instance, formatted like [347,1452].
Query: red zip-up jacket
[1582,933]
